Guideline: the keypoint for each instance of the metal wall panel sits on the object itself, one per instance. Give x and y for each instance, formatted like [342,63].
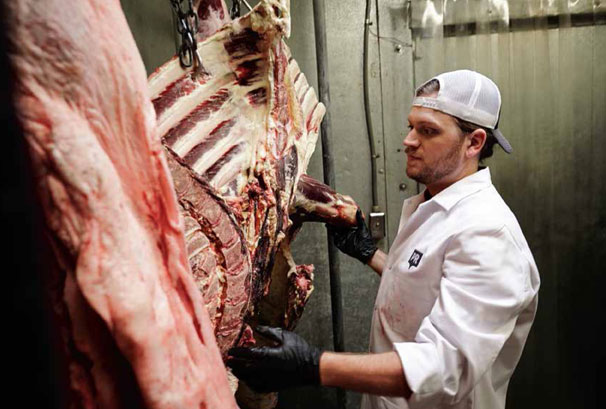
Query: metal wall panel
[397,85]
[152,26]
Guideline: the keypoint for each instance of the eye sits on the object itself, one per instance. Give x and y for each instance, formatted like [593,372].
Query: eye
[410,127]
[428,131]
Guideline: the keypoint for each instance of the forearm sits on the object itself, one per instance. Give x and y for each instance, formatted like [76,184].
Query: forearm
[377,262]
[377,374]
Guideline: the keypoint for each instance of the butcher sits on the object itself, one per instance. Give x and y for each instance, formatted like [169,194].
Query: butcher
[458,291]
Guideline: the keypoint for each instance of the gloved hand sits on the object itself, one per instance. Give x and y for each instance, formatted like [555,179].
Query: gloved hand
[293,362]
[355,241]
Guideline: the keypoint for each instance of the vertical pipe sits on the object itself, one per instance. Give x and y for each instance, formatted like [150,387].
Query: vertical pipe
[368,116]
[329,179]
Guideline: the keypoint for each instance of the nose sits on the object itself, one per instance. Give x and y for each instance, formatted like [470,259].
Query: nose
[411,140]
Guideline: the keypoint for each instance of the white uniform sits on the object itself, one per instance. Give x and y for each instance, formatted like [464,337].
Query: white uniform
[457,298]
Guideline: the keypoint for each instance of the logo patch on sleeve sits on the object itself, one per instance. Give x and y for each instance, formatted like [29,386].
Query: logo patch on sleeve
[415,258]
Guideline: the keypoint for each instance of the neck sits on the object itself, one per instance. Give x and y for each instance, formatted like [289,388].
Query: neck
[468,169]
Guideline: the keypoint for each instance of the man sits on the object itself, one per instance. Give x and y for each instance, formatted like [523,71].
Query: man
[458,290]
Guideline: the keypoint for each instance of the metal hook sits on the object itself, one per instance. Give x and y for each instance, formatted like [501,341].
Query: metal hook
[185,57]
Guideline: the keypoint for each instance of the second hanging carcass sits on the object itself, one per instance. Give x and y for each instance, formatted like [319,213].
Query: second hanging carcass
[239,132]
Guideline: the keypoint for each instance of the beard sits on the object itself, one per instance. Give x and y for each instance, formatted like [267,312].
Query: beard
[444,166]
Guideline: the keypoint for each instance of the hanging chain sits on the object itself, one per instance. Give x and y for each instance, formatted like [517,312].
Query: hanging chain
[187,26]
[235,9]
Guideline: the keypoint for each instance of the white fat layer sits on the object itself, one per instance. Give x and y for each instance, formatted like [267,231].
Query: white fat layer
[178,111]
[197,134]
[309,101]
[220,148]
[164,76]
[230,170]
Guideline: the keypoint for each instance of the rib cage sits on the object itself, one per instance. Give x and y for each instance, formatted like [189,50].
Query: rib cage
[245,126]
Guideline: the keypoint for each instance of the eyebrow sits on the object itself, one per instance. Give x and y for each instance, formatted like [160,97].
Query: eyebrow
[426,122]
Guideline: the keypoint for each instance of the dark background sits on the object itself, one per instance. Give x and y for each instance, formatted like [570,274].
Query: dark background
[27,355]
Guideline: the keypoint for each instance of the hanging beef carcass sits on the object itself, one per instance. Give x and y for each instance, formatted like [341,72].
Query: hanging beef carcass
[134,329]
[244,126]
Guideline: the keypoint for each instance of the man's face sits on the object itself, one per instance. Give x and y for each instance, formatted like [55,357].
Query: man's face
[434,146]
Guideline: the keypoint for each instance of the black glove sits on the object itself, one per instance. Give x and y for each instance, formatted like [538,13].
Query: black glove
[354,241]
[292,362]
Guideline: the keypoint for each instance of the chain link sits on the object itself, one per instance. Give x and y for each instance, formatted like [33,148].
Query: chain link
[235,9]
[187,26]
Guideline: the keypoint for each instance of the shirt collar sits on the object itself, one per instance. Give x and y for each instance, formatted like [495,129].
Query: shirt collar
[471,184]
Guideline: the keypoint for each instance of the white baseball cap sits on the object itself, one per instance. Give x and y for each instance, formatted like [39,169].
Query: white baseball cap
[470,96]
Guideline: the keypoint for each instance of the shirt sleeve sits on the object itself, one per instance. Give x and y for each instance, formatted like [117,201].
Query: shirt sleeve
[484,287]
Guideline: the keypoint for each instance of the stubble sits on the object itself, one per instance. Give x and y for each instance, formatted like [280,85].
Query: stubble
[443,167]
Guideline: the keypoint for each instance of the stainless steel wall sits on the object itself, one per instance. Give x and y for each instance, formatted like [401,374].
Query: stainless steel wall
[550,65]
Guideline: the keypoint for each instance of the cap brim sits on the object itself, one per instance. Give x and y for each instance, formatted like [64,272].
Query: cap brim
[502,141]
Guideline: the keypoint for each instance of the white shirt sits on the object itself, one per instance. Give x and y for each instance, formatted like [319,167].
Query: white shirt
[457,298]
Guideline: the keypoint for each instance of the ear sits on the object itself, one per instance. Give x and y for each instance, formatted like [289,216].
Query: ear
[476,139]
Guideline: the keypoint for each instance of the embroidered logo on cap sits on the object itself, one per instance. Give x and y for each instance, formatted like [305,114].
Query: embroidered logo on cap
[415,258]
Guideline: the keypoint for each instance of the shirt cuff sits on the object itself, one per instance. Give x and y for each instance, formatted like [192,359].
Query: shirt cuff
[422,371]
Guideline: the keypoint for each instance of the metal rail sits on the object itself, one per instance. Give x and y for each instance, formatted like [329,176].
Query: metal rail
[329,179]
[369,128]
